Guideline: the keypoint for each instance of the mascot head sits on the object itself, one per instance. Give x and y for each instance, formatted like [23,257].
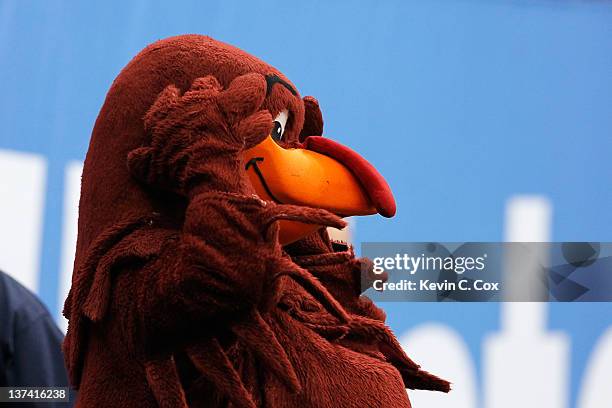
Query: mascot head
[293,165]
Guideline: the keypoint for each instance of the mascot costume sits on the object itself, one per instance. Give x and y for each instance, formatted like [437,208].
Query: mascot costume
[204,276]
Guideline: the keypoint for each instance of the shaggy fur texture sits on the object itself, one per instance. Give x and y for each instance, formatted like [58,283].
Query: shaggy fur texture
[181,294]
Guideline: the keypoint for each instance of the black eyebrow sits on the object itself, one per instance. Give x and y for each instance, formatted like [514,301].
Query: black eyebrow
[275,79]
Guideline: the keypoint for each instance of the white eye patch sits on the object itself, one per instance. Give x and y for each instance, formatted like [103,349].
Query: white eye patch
[280,122]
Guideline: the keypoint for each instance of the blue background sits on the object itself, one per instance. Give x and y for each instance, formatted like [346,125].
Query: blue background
[460,104]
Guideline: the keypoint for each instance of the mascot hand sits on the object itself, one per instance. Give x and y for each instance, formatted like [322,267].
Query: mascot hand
[222,265]
[196,138]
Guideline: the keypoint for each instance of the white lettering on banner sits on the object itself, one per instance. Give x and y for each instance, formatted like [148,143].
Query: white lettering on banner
[72,193]
[442,351]
[524,365]
[22,201]
[595,390]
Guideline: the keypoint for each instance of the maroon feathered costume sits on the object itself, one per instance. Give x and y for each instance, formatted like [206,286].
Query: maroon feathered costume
[182,294]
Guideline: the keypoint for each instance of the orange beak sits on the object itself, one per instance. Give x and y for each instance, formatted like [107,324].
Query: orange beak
[320,174]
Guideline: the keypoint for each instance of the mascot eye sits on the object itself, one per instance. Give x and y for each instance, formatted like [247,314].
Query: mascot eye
[279,125]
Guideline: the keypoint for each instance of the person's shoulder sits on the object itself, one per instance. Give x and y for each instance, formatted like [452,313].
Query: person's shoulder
[19,301]
[16,292]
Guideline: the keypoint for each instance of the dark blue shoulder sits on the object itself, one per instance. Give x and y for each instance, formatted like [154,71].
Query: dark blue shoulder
[19,307]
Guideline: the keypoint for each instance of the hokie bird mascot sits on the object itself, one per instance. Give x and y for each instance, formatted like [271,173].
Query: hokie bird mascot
[204,276]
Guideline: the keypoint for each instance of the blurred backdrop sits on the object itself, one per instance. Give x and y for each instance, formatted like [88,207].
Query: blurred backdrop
[492,120]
